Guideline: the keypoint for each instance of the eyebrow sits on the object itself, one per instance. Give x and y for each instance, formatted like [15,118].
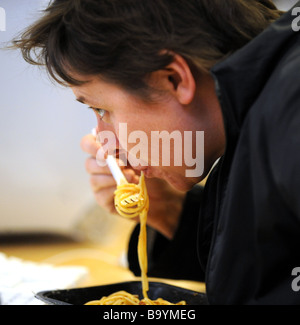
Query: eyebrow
[85,101]
[81,100]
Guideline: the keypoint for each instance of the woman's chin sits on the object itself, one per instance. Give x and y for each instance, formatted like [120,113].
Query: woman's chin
[180,183]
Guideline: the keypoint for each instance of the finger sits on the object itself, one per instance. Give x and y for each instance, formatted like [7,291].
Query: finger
[101,182]
[89,145]
[105,197]
[92,167]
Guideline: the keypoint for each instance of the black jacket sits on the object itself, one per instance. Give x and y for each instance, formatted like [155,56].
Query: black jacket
[246,241]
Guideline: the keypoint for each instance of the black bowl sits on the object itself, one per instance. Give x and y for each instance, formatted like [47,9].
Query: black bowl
[80,296]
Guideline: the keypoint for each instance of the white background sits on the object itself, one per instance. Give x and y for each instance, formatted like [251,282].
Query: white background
[43,183]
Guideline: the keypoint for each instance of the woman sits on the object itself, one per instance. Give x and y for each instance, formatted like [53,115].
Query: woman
[225,68]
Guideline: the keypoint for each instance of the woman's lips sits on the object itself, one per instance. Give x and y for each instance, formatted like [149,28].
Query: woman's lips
[140,168]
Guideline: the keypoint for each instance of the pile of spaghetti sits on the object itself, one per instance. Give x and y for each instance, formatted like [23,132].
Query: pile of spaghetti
[131,200]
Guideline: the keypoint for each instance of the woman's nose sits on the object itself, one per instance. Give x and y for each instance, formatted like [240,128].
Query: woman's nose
[108,138]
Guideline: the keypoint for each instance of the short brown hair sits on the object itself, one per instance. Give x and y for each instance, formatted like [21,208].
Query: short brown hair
[124,41]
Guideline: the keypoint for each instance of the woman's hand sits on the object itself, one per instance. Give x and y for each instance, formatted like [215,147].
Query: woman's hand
[165,202]
[101,179]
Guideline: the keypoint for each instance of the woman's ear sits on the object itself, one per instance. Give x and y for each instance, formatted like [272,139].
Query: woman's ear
[180,80]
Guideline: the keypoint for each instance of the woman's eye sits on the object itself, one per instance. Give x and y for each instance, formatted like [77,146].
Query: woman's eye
[101,112]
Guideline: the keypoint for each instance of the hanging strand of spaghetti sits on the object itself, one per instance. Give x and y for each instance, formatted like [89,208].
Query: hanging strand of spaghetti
[131,200]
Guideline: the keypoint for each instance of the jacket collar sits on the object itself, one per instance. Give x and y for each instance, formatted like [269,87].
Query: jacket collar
[242,76]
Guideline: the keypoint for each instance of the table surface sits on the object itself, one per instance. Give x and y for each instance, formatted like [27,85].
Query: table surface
[104,258]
